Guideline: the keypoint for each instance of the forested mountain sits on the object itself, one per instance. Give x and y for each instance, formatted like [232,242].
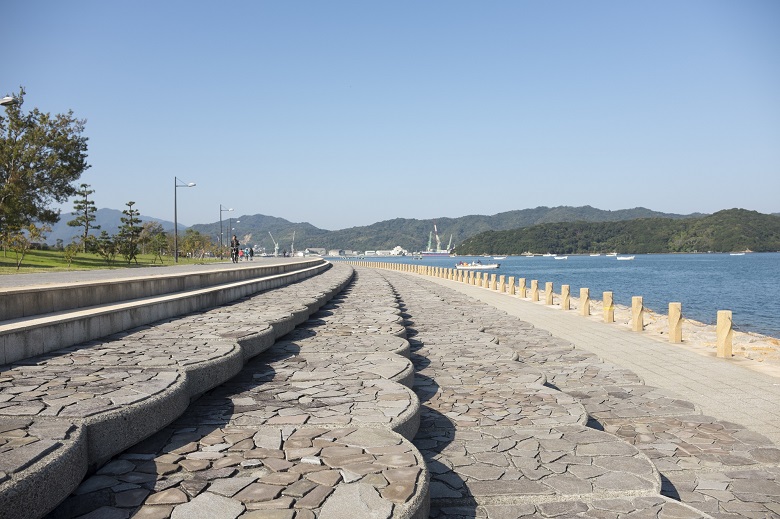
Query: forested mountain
[724,231]
[410,234]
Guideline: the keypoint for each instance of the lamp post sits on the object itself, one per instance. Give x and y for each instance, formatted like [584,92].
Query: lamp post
[231,228]
[221,242]
[8,101]
[176,187]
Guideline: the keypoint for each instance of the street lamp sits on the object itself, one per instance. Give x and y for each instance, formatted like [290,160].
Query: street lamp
[8,101]
[221,210]
[176,187]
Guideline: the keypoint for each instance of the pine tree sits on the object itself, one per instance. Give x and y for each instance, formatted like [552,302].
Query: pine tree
[41,155]
[85,209]
[106,246]
[130,233]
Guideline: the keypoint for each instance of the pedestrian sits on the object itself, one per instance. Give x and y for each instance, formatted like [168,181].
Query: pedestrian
[234,245]
[251,254]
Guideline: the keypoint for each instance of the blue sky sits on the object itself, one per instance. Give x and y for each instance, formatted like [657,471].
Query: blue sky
[347,113]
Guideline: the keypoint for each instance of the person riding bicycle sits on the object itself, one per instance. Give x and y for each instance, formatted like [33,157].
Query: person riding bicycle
[234,245]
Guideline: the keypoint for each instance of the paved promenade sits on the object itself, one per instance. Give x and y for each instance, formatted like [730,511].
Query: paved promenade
[396,395]
[726,389]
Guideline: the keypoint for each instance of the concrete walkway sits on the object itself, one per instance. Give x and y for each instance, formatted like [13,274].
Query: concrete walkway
[725,389]
[494,408]
[81,276]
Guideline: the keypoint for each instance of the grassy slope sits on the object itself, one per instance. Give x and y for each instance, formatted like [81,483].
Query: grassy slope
[53,261]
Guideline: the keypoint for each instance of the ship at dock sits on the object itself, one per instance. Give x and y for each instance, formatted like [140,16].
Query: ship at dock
[438,251]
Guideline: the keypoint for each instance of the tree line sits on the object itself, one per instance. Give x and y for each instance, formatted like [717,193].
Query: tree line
[724,231]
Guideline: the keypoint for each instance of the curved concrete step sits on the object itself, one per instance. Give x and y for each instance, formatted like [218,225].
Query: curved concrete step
[125,285]
[225,471]
[720,468]
[111,394]
[245,445]
[30,336]
[504,449]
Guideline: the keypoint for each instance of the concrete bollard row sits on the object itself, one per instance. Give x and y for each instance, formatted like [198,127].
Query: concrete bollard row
[502,284]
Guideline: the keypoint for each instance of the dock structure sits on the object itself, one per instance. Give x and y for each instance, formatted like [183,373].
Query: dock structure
[330,390]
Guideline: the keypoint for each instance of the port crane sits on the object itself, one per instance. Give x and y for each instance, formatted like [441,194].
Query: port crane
[276,244]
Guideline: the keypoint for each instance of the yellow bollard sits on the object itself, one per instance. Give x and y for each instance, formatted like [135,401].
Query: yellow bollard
[675,322]
[725,333]
[511,285]
[565,297]
[584,301]
[502,284]
[548,293]
[637,314]
[609,307]
[521,288]
[492,281]
[534,290]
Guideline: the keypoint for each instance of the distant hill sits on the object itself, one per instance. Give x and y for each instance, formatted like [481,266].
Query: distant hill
[107,219]
[724,231]
[412,234]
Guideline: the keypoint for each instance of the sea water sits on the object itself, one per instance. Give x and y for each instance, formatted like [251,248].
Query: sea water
[747,285]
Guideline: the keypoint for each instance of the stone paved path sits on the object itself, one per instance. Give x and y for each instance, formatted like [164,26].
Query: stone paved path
[507,445]
[63,413]
[313,427]
[398,398]
[721,468]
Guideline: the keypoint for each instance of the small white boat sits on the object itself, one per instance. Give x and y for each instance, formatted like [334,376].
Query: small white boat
[611,254]
[548,255]
[736,254]
[561,257]
[624,258]
[499,257]
[594,255]
[476,265]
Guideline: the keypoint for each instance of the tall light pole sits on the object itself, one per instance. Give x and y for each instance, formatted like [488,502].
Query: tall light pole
[221,210]
[8,101]
[230,225]
[176,187]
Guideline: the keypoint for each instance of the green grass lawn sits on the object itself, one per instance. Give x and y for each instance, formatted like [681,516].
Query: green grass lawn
[53,261]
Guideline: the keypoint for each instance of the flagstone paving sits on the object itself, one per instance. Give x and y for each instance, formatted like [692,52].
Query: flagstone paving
[719,468]
[302,431]
[67,411]
[504,440]
[502,420]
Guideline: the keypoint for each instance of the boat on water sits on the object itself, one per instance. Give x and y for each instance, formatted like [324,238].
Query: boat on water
[736,254]
[624,258]
[499,257]
[548,255]
[611,254]
[476,265]
[561,257]
[594,255]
